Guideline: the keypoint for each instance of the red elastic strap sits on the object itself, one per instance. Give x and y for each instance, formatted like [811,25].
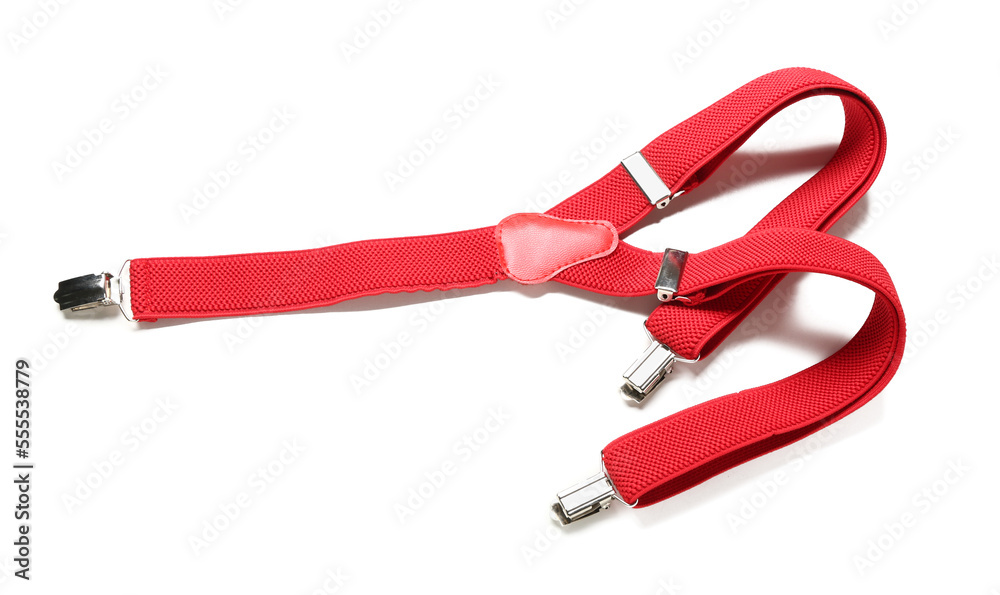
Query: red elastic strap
[248,284]
[687,448]
[686,155]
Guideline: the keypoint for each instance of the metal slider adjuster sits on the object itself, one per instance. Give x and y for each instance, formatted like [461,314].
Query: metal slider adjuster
[669,278]
[586,498]
[648,180]
[91,291]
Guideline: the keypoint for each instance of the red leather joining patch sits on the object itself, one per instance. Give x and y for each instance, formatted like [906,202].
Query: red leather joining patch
[535,247]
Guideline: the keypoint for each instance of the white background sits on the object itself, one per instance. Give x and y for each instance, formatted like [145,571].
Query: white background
[548,359]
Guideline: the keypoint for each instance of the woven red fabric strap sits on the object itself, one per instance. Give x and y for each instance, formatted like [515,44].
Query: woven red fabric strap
[685,449]
[685,156]
[247,284]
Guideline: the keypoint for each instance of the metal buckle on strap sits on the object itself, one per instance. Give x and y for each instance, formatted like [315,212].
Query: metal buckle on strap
[648,180]
[669,278]
[92,291]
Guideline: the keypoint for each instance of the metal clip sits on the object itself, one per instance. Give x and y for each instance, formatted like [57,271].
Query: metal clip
[646,373]
[586,498]
[90,291]
[650,182]
[83,293]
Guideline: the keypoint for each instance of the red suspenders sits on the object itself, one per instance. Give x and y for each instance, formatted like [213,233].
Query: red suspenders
[704,295]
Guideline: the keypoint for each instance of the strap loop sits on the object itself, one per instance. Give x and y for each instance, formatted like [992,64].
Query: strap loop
[683,450]
[648,180]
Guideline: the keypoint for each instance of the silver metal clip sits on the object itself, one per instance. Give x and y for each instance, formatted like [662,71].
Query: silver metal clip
[586,498]
[91,291]
[648,180]
[646,373]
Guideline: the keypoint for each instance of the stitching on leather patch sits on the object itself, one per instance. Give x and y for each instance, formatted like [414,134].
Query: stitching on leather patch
[562,266]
